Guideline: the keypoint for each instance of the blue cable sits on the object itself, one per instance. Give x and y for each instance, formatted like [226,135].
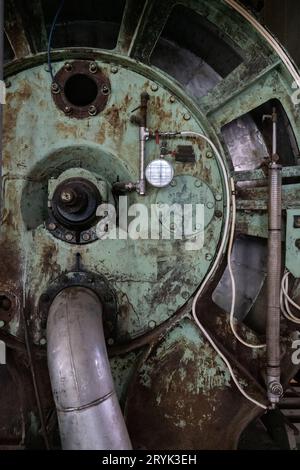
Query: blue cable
[51,37]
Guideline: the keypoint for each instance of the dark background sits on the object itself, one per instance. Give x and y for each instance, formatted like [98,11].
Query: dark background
[282,17]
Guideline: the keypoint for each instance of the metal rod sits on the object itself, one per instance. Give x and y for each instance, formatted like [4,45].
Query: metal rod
[143,137]
[273,283]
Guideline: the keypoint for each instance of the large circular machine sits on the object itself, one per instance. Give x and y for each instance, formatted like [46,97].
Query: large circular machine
[120,118]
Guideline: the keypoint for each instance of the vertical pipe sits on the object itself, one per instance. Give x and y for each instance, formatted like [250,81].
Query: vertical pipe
[143,136]
[88,410]
[274,282]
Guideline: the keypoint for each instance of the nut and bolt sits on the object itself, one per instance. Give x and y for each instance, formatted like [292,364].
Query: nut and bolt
[93,67]
[92,110]
[208,257]
[172,99]
[55,88]
[198,183]
[154,87]
[43,341]
[210,205]
[186,116]
[105,90]
[152,324]
[209,154]
[68,67]
[185,295]
[218,197]
[67,196]
[69,237]
[86,237]
[52,226]
[114,69]
[68,109]
[219,214]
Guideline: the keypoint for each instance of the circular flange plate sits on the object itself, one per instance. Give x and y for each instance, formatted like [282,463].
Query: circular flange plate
[80,89]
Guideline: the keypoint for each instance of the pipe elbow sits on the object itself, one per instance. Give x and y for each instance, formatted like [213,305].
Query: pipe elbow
[88,410]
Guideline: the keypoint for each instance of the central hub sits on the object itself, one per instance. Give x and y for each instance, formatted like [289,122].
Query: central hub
[73,201]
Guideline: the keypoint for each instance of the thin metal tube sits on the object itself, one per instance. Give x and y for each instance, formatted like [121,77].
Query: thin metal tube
[274,283]
[88,410]
[142,181]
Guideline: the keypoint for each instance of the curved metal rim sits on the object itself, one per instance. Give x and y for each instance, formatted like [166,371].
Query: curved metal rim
[269,37]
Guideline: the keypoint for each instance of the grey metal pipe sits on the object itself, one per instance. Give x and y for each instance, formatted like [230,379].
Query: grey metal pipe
[89,413]
[274,283]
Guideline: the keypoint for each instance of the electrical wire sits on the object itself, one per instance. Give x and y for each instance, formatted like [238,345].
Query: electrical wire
[51,38]
[214,267]
[233,285]
[286,300]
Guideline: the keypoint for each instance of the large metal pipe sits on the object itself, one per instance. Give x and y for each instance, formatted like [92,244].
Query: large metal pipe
[89,413]
[274,283]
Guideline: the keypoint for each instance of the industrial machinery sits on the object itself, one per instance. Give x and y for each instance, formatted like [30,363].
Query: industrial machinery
[113,336]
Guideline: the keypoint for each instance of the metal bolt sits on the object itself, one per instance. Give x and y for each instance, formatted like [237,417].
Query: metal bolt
[105,90]
[43,341]
[208,257]
[68,67]
[55,88]
[173,227]
[68,109]
[209,155]
[69,237]
[172,99]
[86,237]
[114,69]
[186,116]
[93,67]
[198,183]
[219,214]
[210,205]
[152,324]
[154,87]
[2,324]
[52,226]
[185,295]
[92,110]
[218,197]
[67,196]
